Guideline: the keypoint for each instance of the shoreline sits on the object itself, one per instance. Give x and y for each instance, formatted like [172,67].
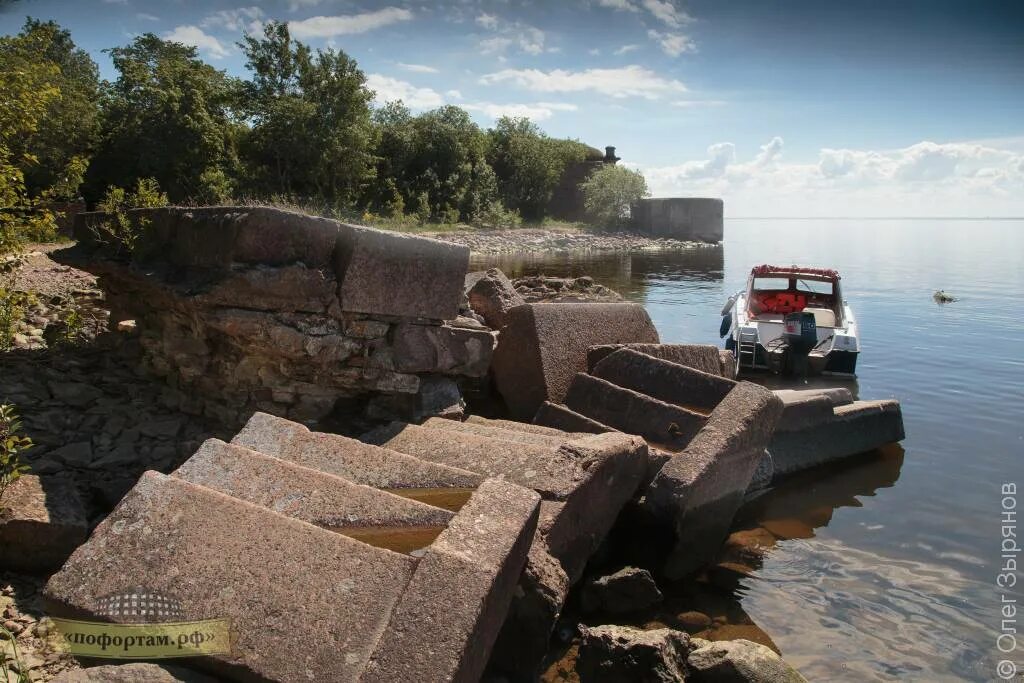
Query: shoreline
[534,240]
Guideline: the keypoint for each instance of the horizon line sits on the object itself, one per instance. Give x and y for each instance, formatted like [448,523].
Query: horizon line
[880,218]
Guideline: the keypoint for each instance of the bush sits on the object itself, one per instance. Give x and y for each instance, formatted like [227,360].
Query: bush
[610,192]
[11,446]
[12,310]
[120,231]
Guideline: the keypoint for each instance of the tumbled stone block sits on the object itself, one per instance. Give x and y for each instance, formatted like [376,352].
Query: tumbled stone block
[621,654]
[443,349]
[388,273]
[513,425]
[542,346]
[855,428]
[446,622]
[287,289]
[663,380]
[307,494]
[703,357]
[223,558]
[41,523]
[492,296]
[558,416]
[661,423]
[348,458]
[533,439]
[698,491]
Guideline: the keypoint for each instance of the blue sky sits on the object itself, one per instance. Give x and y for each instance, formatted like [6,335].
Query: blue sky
[784,107]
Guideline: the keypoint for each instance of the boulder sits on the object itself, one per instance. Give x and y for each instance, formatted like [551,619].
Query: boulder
[388,273]
[661,423]
[737,661]
[442,349]
[543,345]
[42,521]
[492,295]
[663,380]
[698,491]
[703,357]
[240,564]
[628,590]
[446,622]
[620,654]
[310,495]
[558,416]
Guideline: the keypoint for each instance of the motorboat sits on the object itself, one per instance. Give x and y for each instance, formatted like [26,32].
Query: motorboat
[791,320]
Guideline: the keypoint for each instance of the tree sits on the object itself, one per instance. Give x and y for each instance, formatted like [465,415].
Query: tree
[311,134]
[610,192]
[168,116]
[529,164]
[67,130]
[27,86]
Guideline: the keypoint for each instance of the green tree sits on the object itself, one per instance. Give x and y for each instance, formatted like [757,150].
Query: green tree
[529,164]
[67,130]
[27,87]
[168,116]
[311,134]
[609,193]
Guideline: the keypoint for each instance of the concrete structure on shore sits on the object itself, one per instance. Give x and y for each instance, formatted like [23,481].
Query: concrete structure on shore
[685,218]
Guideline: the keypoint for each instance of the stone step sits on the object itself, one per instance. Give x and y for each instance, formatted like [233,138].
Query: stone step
[855,428]
[663,379]
[516,436]
[665,425]
[316,600]
[358,462]
[703,357]
[513,425]
[448,618]
[307,494]
[543,345]
[557,415]
[698,491]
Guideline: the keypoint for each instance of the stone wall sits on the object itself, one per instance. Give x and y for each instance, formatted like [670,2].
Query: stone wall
[691,218]
[247,309]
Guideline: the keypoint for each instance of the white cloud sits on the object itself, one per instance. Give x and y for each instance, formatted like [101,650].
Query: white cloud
[495,44]
[418,68]
[147,17]
[194,36]
[666,12]
[673,44]
[488,21]
[538,111]
[388,89]
[453,94]
[621,5]
[626,49]
[329,27]
[926,179]
[248,19]
[628,81]
[295,5]
[692,104]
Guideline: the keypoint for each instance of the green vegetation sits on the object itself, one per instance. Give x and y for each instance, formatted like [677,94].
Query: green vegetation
[120,230]
[12,309]
[609,192]
[300,129]
[12,444]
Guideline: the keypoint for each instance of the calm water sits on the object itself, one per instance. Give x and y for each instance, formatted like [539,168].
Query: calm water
[894,576]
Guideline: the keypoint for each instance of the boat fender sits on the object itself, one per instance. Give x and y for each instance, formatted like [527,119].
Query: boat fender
[728,305]
[726,325]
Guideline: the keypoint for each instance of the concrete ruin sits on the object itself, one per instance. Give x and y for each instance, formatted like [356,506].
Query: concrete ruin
[257,309]
[685,218]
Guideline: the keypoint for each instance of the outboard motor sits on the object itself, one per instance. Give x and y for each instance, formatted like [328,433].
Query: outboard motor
[801,335]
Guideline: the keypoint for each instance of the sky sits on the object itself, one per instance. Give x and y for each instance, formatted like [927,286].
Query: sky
[780,107]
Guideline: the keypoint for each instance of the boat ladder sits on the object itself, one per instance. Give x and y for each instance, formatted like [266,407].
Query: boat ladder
[746,348]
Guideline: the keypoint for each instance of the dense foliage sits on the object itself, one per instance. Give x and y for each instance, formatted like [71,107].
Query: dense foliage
[609,193]
[300,129]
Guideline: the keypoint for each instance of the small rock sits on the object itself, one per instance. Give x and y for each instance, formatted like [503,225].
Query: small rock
[738,661]
[614,654]
[627,590]
[694,621]
[75,393]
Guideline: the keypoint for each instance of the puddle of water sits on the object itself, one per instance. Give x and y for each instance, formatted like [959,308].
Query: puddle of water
[447,498]
[405,540]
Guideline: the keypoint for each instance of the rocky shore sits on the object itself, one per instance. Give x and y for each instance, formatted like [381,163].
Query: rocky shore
[529,240]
